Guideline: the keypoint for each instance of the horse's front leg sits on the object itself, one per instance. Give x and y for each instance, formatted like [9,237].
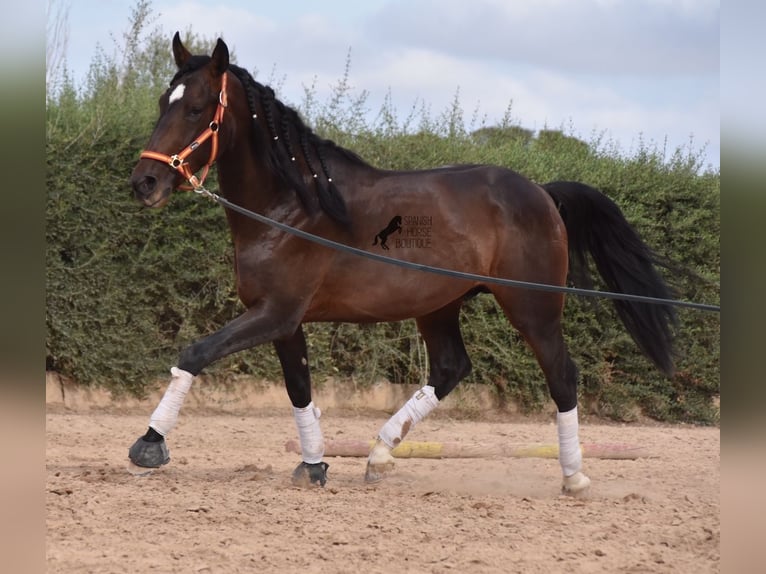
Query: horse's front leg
[293,356]
[259,324]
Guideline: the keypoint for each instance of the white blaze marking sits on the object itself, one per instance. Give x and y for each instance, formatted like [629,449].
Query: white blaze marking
[177,93]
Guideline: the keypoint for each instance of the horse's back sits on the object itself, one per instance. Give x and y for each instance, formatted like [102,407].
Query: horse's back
[498,198]
[484,185]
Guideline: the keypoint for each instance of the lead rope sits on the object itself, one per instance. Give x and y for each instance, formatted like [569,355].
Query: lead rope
[204,192]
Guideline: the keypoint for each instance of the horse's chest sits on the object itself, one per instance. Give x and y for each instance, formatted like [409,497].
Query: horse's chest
[256,272]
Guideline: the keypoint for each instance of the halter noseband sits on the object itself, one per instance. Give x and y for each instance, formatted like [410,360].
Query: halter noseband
[178,161]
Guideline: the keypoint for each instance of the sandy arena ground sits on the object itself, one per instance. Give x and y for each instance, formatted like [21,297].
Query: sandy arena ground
[225,503]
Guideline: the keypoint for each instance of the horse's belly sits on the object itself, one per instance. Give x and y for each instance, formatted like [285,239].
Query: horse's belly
[401,294]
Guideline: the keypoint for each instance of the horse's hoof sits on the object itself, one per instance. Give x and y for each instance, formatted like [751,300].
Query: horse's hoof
[377,472]
[306,474]
[145,456]
[380,463]
[576,484]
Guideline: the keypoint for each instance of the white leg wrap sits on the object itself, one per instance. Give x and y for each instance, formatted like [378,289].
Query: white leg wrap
[570,455]
[413,411]
[165,416]
[312,441]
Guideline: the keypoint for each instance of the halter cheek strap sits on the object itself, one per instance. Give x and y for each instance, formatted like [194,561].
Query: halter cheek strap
[178,161]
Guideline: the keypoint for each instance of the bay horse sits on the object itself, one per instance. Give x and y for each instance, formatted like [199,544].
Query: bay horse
[480,219]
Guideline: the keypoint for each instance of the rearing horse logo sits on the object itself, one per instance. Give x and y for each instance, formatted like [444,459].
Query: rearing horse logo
[394,225]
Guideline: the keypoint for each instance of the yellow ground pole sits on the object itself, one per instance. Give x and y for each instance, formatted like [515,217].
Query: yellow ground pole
[429,449]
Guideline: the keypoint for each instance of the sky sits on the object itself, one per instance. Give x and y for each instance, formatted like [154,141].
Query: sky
[625,71]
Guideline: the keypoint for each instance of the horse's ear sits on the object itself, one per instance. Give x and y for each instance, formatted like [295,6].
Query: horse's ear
[180,53]
[220,57]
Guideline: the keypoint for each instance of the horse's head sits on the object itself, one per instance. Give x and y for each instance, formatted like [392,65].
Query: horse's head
[186,136]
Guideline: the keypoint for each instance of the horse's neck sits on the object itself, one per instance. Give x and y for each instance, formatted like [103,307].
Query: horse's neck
[244,180]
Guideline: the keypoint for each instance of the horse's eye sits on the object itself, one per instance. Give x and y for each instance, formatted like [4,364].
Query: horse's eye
[195,113]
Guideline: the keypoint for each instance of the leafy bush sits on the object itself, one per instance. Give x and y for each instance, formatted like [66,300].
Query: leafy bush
[127,288]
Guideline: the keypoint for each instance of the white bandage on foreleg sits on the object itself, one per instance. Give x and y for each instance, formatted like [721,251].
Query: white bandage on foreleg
[570,455]
[165,416]
[413,411]
[309,433]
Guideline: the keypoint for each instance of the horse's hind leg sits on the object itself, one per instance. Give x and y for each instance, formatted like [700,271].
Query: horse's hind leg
[537,316]
[448,364]
[293,356]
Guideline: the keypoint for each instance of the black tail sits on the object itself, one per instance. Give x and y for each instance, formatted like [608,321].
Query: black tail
[596,225]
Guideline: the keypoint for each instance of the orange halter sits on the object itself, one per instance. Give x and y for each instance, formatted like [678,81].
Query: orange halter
[178,161]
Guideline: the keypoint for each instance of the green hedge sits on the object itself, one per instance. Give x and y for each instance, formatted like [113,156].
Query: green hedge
[127,288]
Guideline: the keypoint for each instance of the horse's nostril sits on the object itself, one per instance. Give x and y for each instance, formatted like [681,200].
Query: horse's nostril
[144,186]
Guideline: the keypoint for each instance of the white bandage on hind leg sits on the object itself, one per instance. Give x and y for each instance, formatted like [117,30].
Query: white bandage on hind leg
[413,411]
[312,441]
[165,416]
[570,455]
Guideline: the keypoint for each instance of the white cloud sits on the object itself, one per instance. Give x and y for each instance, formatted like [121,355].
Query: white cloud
[629,67]
[223,20]
[310,43]
[592,36]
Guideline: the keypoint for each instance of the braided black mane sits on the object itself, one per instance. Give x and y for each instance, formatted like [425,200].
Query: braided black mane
[286,139]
